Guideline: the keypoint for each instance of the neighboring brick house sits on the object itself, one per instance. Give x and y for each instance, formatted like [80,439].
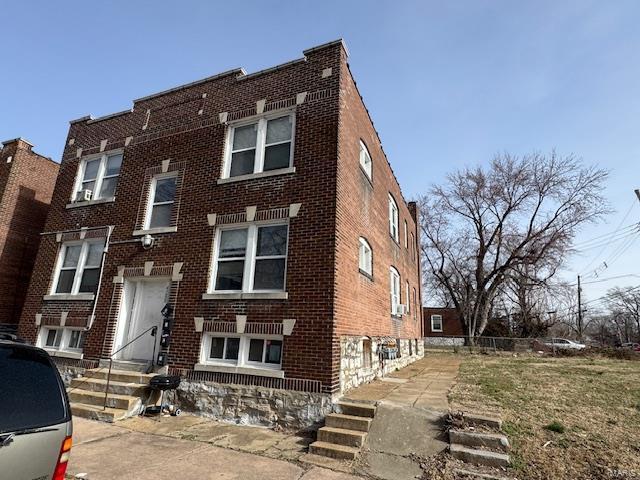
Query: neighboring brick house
[27,180]
[439,322]
[261,207]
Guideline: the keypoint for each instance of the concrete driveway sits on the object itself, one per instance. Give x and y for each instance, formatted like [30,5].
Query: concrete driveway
[105,452]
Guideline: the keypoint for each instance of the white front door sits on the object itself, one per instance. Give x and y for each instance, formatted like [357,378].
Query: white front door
[146,299]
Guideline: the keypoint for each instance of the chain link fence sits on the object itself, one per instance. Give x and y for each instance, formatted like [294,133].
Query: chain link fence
[486,344]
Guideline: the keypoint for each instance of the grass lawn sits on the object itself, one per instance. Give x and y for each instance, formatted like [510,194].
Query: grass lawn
[567,418]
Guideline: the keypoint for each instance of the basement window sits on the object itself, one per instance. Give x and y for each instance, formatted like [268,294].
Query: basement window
[366,353]
[248,350]
[262,145]
[61,339]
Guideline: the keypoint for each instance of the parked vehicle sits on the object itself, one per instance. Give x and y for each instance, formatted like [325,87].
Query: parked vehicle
[631,346]
[35,418]
[564,344]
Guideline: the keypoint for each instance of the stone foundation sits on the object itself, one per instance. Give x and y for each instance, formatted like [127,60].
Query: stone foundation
[354,372]
[252,405]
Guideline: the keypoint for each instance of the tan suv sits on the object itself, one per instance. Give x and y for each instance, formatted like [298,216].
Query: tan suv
[35,419]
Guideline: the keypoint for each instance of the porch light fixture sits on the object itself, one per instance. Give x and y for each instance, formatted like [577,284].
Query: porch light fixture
[147,241]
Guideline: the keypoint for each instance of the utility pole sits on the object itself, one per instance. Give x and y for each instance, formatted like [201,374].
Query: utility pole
[579,310]
[637,190]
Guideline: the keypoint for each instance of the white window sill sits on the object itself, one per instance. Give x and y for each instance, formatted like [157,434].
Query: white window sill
[79,297]
[155,230]
[269,173]
[260,372]
[246,296]
[436,331]
[64,353]
[97,201]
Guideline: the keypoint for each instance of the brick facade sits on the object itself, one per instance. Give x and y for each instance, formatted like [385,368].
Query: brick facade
[323,198]
[27,180]
[451,324]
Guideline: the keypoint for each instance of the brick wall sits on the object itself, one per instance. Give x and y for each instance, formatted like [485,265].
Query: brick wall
[26,185]
[185,126]
[451,324]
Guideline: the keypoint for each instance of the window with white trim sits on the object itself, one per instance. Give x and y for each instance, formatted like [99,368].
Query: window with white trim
[393,218]
[98,176]
[162,197]
[415,304]
[436,323]
[250,258]
[365,160]
[78,267]
[62,339]
[407,297]
[394,290]
[413,246]
[365,257]
[406,235]
[259,146]
[247,350]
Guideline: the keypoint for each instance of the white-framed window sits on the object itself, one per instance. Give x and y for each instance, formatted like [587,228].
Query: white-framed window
[365,160]
[406,235]
[393,219]
[394,290]
[162,197]
[98,177]
[415,304]
[251,258]
[436,323]
[247,350]
[365,257]
[78,267]
[62,339]
[413,246]
[259,146]
[407,296]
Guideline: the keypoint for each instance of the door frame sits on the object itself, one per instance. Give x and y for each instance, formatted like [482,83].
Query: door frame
[129,311]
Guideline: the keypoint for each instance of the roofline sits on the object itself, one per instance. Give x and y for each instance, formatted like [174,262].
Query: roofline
[17,139]
[332,43]
[236,71]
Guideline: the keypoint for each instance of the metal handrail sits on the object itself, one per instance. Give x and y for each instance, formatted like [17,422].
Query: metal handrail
[154,331]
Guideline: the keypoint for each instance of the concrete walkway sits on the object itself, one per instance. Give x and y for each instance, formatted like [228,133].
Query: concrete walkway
[409,421]
[185,448]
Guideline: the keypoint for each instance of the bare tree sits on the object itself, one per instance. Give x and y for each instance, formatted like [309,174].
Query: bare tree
[624,308]
[485,223]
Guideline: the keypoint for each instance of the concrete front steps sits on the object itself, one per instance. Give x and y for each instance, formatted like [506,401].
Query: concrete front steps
[344,433]
[480,448]
[127,390]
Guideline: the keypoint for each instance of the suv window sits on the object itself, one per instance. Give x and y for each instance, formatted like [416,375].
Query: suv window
[33,395]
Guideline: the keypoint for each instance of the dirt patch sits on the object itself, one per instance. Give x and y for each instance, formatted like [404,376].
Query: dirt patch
[596,401]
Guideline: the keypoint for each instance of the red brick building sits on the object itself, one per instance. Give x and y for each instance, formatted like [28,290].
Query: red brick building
[260,207]
[26,185]
[439,322]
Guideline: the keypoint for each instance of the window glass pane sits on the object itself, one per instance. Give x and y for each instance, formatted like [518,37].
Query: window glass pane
[161,216]
[229,275]
[76,339]
[277,156]
[165,190]
[245,137]
[108,188]
[94,256]
[71,255]
[65,281]
[255,349]
[272,240]
[52,335]
[279,130]
[91,169]
[217,347]
[113,164]
[269,274]
[242,163]
[274,351]
[233,243]
[233,345]
[89,282]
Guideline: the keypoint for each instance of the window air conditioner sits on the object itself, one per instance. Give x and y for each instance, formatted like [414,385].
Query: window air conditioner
[400,309]
[84,195]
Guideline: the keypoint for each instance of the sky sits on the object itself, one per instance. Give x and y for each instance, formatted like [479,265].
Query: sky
[448,84]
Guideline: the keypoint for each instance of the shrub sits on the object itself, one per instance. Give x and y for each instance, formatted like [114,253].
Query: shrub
[556,426]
